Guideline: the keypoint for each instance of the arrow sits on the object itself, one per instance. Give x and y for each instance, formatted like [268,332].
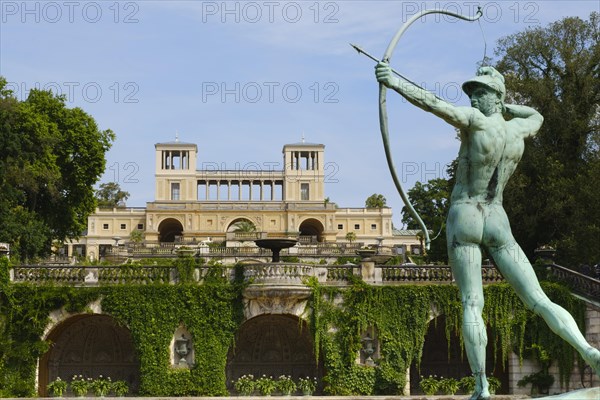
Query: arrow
[361,51]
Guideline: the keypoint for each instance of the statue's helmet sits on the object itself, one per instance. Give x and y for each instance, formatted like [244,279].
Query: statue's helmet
[487,77]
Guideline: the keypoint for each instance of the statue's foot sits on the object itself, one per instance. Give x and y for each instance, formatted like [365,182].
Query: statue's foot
[592,357]
[481,387]
[480,395]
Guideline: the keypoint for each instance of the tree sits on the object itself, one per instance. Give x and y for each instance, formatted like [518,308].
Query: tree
[110,195]
[136,236]
[432,202]
[552,196]
[351,237]
[244,226]
[51,157]
[375,201]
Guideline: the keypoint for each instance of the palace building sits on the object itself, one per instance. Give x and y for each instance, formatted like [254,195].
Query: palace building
[207,205]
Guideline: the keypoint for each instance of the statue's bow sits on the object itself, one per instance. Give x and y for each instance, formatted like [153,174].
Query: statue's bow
[383,119]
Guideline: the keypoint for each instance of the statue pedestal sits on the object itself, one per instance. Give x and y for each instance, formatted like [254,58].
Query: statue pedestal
[582,394]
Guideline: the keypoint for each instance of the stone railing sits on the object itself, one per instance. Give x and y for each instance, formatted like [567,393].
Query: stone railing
[431,274]
[579,283]
[261,273]
[340,274]
[245,236]
[92,275]
[278,273]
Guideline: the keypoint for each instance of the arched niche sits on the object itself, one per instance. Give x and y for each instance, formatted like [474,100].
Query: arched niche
[312,228]
[89,345]
[182,349]
[273,345]
[451,362]
[169,230]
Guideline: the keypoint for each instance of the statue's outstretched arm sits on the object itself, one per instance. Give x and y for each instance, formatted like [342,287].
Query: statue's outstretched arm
[458,117]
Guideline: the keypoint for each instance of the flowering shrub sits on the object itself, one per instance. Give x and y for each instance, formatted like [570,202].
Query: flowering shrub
[121,388]
[307,385]
[494,384]
[57,388]
[265,385]
[467,384]
[429,385]
[101,386]
[448,385]
[286,385]
[80,385]
[245,385]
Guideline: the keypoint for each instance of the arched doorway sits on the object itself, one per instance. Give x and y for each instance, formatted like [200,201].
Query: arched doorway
[169,230]
[243,225]
[438,359]
[273,345]
[311,230]
[89,345]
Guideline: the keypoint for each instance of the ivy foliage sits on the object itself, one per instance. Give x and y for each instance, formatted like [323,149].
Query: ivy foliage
[401,315]
[24,311]
[207,311]
[211,312]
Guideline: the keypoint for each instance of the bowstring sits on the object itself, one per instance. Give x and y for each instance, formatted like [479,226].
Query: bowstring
[483,64]
[483,60]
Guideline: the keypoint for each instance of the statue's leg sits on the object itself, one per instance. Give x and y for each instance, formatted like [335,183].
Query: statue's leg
[466,269]
[517,270]
[464,232]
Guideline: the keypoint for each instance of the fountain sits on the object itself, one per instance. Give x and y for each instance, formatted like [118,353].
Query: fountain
[275,245]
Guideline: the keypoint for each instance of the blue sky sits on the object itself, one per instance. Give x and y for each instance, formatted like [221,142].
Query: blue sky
[243,78]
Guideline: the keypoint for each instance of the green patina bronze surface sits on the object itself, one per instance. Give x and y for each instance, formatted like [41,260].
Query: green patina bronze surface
[492,136]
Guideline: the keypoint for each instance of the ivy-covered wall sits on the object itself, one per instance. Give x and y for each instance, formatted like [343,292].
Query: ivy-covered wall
[400,315]
[212,312]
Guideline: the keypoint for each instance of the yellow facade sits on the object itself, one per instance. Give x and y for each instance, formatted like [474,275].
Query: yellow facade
[196,205]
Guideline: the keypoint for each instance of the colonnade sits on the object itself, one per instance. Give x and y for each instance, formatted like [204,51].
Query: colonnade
[304,160]
[267,190]
[175,159]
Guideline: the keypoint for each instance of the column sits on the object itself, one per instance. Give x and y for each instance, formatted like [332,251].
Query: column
[239,190]
[261,190]
[228,190]
[207,188]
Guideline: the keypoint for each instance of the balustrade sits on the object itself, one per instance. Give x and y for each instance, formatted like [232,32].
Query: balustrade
[579,283]
[278,273]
